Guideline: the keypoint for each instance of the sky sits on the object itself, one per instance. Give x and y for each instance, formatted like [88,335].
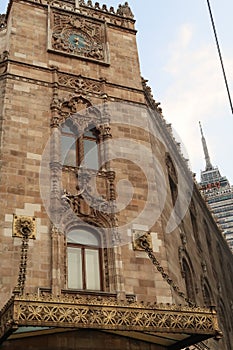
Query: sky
[178,56]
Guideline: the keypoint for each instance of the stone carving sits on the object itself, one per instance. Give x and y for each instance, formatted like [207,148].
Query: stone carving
[97,6]
[80,84]
[124,20]
[2,21]
[149,97]
[125,11]
[3,68]
[4,56]
[3,63]
[88,203]
[78,36]
[78,107]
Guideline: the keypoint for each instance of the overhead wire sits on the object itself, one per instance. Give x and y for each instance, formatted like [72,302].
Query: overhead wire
[220,55]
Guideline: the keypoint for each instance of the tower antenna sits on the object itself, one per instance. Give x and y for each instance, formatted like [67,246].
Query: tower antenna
[207,157]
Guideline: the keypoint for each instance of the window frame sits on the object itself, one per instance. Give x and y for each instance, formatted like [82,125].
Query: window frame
[79,145]
[83,248]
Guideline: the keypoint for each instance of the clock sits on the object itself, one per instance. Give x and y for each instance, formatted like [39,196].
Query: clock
[77,40]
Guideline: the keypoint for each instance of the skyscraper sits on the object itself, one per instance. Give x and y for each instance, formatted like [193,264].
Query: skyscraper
[218,193]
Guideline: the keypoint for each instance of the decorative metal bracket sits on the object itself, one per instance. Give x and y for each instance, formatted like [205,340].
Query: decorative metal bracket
[24,226]
[141,240]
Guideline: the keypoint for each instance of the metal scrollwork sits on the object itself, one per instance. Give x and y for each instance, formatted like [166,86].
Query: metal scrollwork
[82,311]
[24,226]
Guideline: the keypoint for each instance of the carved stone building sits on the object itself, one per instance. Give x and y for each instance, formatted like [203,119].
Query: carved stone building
[105,239]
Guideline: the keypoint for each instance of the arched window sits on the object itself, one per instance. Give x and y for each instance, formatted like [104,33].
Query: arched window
[84,260]
[206,296]
[193,216]
[77,149]
[172,178]
[206,291]
[188,280]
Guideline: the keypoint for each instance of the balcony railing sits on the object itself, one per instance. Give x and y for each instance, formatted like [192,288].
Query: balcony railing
[105,313]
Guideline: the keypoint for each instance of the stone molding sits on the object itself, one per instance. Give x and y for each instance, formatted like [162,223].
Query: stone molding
[122,17]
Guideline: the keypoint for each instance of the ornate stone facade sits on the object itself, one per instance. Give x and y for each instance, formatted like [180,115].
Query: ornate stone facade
[76,79]
[78,36]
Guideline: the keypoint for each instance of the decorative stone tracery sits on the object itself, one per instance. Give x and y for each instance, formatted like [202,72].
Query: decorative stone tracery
[79,36]
[79,84]
[82,204]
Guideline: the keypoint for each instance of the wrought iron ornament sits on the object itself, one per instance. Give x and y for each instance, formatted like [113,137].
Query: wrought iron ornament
[146,245]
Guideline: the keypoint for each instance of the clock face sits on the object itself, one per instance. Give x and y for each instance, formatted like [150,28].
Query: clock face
[77,40]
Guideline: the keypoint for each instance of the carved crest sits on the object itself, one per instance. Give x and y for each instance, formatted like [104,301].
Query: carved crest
[78,36]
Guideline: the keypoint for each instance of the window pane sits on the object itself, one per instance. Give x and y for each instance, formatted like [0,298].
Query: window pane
[83,237]
[68,150]
[91,154]
[89,133]
[67,129]
[92,269]
[75,277]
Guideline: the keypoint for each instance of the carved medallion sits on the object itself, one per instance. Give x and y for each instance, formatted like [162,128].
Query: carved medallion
[79,36]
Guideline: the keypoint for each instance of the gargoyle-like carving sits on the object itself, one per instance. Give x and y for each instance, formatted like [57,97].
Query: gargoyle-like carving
[2,21]
[149,96]
[4,56]
[125,11]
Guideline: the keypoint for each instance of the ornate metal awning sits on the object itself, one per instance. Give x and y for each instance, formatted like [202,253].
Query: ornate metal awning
[180,324]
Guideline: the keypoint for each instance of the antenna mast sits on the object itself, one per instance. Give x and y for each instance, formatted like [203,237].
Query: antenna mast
[207,157]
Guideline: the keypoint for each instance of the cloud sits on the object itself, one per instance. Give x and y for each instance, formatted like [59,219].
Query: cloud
[196,90]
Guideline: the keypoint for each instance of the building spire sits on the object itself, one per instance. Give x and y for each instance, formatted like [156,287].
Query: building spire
[207,157]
